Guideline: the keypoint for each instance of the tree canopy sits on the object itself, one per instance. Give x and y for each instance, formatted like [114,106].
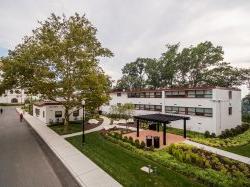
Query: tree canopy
[192,66]
[60,60]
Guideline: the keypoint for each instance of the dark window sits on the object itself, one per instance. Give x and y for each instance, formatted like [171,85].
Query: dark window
[200,93]
[208,112]
[119,104]
[158,94]
[119,94]
[148,107]
[144,95]
[230,110]
[37,111]
[230,94]
[175,94]
[17,91]
[76,113]
[58,114]
[43,114]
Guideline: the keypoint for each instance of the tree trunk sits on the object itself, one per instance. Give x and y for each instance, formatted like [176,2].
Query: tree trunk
[66,120]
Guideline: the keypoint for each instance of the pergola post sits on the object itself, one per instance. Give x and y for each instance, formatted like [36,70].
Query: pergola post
[158,127]
[164,134]
[185,128]
[138,124]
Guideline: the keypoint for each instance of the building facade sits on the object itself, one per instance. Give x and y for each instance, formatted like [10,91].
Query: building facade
[15,96]
[53,112]
[210,109]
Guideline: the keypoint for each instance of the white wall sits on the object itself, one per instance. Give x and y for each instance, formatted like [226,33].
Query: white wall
[219,103]
[49,111]
[8,96]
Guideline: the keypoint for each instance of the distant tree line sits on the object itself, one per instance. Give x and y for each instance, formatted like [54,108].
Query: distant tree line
[193,66]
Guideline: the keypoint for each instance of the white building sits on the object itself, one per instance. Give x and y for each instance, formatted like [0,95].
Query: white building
[53,112]
[16,96]
[211,109]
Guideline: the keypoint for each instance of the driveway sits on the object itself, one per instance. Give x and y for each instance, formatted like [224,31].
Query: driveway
[25,160]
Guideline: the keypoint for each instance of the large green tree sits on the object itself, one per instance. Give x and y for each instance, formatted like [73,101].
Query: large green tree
[192,66]
[60,60]
[133,75]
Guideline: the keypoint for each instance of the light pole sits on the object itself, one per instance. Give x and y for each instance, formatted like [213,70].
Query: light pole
[83,114]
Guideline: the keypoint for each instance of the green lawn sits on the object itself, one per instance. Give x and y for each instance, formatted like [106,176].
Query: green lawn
[124,165]
[59,129]
[241,150]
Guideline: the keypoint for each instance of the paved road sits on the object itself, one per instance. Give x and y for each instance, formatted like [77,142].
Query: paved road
[25,160]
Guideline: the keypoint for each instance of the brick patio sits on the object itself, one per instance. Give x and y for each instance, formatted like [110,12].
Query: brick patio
[171,138]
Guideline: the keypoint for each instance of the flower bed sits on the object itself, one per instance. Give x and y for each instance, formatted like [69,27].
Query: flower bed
[205,159]
[239,140]
[206,175]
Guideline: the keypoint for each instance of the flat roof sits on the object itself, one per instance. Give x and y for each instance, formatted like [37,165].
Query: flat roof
[163,118]
[45,103]
[175,89]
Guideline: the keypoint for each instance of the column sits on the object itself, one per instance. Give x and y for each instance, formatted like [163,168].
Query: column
[138,124]
[164,134]
[185,128]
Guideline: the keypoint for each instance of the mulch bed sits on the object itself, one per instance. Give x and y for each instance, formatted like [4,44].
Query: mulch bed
[88,126]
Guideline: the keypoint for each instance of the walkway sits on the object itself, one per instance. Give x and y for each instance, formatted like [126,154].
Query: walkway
[25,160]
[220,152]
[81,167]
[105,123]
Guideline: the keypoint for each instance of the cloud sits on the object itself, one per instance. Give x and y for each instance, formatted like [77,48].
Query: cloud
[140,28]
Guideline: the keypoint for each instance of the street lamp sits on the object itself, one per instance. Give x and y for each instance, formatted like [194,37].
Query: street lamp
[83,136]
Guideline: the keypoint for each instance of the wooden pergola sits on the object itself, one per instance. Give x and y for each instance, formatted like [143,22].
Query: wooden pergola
[164,119]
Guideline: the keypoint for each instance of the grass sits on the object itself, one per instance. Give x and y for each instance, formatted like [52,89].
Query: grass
[59,129]
[190,134]
[243,150]
[124,165]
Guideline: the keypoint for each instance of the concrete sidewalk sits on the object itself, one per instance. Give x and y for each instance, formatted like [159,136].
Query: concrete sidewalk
[105,123]
[81,167]
[220,152]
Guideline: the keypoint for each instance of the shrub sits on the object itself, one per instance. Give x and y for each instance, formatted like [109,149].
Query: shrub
[151,148]
[207,134]
[125,139]
[130,139]
[213,135]
[143,145]
[137,143]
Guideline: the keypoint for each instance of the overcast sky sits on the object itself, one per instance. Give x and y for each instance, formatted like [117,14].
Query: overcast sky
[140,28]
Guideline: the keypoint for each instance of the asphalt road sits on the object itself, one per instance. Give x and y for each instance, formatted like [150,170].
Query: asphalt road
[25,160]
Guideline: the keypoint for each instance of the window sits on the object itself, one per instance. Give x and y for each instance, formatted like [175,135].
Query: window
[119,94]
[76,113]
[11,91]
[230,94]
[144,95]
[208,112]
[230,110]
[17,91]
[137,107]
[119,104]
[191,111]
[141,107]
[43,114]
[200,93]
[175,94]
[158,94]
[182,110]
[58,114]
[37,111]
[158,108]
[191,93]
[148,107]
